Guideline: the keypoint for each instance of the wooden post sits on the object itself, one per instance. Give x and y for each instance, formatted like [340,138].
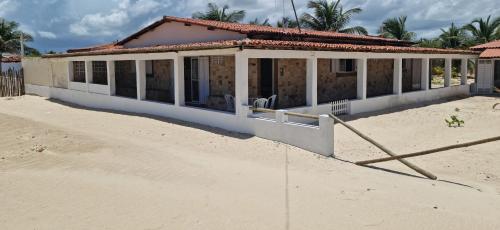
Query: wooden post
[421,153]
[383,148]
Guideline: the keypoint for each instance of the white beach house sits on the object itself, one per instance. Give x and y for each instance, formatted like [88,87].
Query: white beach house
[488,69]
[211,73]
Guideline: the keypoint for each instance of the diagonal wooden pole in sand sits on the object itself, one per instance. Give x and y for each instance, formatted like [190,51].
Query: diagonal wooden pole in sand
[386,150]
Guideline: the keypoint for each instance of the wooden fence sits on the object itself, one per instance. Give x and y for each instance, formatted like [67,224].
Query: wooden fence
[340,107]
[11,83]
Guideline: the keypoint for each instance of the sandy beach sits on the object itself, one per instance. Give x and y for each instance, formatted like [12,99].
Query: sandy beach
[67,167]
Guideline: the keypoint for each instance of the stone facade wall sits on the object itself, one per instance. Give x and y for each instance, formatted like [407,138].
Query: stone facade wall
[222,81]
[380,78]
[290,81]
[335,86]
[222,75]
[292,75]
[160,87]
[253,78]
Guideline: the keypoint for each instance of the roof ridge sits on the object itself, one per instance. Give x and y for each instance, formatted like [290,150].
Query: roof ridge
[259,30]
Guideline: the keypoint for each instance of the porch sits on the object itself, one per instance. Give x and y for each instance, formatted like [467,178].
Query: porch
[303,81]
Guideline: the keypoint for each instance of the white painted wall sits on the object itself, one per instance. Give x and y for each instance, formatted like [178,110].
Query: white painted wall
[484,80]
[178,33]
[312,138]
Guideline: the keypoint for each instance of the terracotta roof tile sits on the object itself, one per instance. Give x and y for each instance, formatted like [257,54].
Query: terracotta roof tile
[490,53]
[268,30]
[489,45]
[264,44]
[93,48]
[12,58]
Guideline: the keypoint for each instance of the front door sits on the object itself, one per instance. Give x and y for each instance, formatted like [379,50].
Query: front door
[484,80]
[266,77]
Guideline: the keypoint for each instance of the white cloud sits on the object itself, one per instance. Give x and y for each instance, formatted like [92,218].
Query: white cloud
[100,24]
[142,7]
[108,24]
[47,34]
[8,6]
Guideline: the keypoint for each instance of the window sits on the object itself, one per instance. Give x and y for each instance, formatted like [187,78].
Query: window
[347,65]
[99,72]
[79,71]
[218,60]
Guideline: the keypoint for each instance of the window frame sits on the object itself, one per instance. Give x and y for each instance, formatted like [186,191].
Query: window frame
[78,69]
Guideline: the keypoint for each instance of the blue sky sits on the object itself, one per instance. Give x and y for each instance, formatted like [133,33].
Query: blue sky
[62,24]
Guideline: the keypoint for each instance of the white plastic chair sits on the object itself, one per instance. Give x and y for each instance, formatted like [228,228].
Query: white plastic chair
[260,103]
[271,101]
[229,102]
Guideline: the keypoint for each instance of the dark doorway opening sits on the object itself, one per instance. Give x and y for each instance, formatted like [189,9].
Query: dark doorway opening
[266,75]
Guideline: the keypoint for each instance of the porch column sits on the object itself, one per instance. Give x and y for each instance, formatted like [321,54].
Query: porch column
[140,69]
[362,65]
[425,78]
[241,85]
[312,82]
[398,76]
[447,72]
[111,77]
[88,73]
[463,71]
[179,80]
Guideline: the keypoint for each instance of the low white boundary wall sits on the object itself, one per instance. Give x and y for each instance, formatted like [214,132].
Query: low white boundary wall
[318,139]
[391,101]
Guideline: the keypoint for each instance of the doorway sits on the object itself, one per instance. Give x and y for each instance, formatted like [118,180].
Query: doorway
[266,77]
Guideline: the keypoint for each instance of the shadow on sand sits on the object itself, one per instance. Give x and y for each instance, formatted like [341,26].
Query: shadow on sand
[206,128]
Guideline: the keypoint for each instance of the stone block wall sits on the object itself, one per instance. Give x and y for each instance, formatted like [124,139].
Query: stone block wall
[160,87]
[380,77]
[292,77]
[222,75]
[253,78]
[334,86]
[290,81]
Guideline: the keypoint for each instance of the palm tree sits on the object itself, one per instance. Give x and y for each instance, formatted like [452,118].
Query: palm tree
[215,13]
[330,16]
[396,28]
[10,38]
[287,22]
[257,21]
[430,43]
[453,37]
[486,30]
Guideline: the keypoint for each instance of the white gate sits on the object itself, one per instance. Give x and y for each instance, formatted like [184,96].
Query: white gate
[340,107]
[484,81]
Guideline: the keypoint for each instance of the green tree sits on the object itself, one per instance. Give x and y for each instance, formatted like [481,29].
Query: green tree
[396,28]
[330,16]
[215,13]
[430,43]
[484,31]
[287,22]
[10,38]
[453,37]
[257,21]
